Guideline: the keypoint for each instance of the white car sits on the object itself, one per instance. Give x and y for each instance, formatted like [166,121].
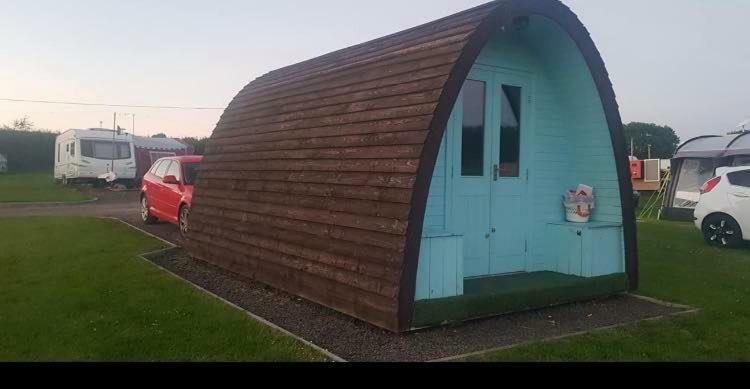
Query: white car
[723,212]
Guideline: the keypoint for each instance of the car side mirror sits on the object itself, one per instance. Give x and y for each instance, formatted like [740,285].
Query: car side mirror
[170,180]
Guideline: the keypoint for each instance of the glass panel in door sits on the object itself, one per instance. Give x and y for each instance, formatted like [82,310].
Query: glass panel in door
[509,208]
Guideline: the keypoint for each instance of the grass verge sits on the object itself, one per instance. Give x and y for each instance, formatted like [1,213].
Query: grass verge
[35,188]
[73,289]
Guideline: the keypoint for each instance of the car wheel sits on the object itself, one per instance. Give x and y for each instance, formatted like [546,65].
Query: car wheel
[145,212]
[184,220]
[722,230]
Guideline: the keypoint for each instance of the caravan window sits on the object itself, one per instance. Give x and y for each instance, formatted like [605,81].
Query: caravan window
[105,150]
[73,149]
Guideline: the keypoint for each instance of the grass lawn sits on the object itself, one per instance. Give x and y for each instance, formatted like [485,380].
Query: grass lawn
[675,266]
[72,289]
[35,187]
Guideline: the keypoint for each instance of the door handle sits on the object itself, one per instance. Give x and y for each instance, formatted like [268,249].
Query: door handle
[742,195]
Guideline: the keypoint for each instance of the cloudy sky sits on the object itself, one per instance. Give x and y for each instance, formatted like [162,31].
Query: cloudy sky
[684,63]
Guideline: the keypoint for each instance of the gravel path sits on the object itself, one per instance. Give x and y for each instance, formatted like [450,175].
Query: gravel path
[357,341]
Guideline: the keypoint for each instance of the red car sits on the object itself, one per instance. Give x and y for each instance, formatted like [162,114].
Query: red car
[167,190]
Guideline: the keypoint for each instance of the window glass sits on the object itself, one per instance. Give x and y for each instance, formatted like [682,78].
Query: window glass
[174,170]
[162,169]
[155,166]
[105,149]
[510,131]
[740,178]
[191,172]
[741,160]
[58,152]
[73,149]
[472,134]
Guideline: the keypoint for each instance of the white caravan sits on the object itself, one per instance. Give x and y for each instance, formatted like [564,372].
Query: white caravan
[85,155]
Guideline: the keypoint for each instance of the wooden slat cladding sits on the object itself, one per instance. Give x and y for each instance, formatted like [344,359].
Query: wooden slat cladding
[308,180]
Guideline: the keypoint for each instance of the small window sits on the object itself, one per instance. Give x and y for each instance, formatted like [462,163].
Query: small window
[510,132]
[73,149]
[162,169]
[472,134]
[58,152]
[741,178]
[174,170]
[67,148]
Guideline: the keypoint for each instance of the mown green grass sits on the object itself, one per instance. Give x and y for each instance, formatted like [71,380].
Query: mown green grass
[35,187]
[675,266]
[73,289]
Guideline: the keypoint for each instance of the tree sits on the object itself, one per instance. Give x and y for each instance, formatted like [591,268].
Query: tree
[662,139]
[22,124]
[199,145]
[159,135]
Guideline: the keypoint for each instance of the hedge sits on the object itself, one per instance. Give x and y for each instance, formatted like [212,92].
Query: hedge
[28,151]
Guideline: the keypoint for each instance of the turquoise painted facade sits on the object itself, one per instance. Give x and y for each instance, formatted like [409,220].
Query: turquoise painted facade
[480,225]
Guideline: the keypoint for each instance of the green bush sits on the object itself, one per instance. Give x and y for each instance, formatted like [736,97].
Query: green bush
[28,151]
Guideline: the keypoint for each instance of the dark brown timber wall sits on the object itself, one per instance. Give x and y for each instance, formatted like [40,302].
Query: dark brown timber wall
[316,177]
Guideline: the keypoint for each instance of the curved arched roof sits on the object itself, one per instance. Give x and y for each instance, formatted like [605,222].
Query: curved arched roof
[715,146]
[316,178]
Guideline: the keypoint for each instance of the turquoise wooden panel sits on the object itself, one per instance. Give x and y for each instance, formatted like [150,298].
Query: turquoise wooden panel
[570,144]
[440,270]
[605,252]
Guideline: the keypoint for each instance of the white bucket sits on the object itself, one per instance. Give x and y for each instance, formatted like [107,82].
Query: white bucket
[578,212]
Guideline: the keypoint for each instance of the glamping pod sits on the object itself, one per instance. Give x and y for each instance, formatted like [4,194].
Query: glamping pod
[418,178]
[694,163]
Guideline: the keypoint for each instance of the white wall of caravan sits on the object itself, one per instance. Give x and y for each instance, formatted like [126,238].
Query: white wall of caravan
[71,163]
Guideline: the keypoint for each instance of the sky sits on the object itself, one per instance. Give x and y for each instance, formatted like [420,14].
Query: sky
[682,63]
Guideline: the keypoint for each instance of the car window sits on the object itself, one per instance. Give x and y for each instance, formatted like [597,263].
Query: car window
[191,172]
[156,166]
[741,178]
[174,170]
[162,169]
